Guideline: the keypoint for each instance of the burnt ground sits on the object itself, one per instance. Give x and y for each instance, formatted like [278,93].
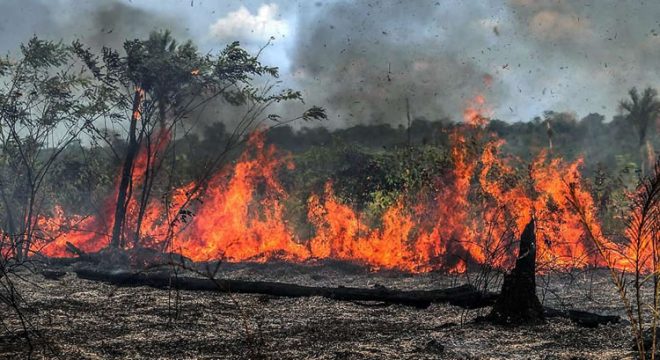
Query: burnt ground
[79,319]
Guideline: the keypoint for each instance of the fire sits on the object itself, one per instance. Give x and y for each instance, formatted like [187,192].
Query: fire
[475,110]
[92,233]
[475,217]
[341,235]
[137,111]
[233,224]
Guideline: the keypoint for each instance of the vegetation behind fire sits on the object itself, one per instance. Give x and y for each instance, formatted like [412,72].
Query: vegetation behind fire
[112,150]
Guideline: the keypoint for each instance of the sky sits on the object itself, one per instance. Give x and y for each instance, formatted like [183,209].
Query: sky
[363,59]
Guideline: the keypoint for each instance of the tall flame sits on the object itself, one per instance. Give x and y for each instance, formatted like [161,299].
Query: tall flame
[475,217]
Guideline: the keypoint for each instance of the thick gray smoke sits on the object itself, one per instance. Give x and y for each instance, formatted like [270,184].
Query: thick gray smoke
[584,55]
[363,59]
[96,23]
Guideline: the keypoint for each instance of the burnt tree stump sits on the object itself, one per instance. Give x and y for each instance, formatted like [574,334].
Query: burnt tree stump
[518,303]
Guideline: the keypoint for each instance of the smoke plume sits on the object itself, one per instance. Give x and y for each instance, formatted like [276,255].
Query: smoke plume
[364,60]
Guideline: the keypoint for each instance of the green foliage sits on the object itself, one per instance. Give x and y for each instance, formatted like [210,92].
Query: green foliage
[371,166]
[642,110]
[369,180]
[44,106]
[155,84]
[81,178]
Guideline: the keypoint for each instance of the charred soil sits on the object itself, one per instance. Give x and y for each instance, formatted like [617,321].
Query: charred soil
[79,319]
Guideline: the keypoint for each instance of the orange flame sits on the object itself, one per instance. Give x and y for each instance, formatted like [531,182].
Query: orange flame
[475,217]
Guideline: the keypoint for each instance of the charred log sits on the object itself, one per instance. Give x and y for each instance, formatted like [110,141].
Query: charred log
[518,303]
[80,257]
[582,318]
[140,257]
[53,274]
[465,296]
[74,250]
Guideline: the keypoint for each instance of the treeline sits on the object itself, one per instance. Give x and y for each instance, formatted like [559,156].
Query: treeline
[371,164]
[117,104]
[609,143]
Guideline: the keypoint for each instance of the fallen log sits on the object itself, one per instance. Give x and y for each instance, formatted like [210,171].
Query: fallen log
[139,257]
[74,250]
[465,296]
[53,274]
[80,256]
[582,318]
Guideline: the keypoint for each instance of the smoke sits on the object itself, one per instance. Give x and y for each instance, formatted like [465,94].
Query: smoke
[363,60]
[95,23]
[581,56]
[243,25]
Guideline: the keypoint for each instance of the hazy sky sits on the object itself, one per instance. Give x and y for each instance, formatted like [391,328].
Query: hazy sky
[362,59]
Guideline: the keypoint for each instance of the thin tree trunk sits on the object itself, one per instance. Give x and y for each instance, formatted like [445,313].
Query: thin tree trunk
[150,172]
[144,197]
[29,226]
[127,172]
[648,156]
[11,224]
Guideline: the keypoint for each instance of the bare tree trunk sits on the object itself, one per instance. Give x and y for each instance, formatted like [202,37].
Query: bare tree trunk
[11,224]
[28,227]
[127,173]
[648,157]
[150,171]
[146,190]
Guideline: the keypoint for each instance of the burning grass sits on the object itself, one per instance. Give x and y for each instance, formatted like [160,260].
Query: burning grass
[474,215]
[470,216]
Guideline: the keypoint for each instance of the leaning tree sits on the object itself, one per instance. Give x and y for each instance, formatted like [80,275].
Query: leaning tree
[156,85]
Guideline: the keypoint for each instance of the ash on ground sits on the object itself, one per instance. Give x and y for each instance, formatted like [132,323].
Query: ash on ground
[79,319]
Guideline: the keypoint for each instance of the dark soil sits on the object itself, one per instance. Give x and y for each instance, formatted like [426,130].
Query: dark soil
[78,319]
